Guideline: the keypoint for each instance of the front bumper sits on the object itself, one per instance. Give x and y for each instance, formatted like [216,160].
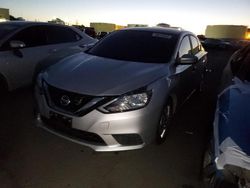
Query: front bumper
[103,132]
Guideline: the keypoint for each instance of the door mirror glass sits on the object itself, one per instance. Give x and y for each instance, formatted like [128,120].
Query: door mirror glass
[17,44]
[188,59]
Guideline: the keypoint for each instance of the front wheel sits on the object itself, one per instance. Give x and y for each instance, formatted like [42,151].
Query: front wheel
[164,123]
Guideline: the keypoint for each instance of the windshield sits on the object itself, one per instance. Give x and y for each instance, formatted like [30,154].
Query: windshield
[6,29]
[139,46]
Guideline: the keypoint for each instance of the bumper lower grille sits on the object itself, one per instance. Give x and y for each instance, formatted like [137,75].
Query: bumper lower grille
[72,133]
[128,139]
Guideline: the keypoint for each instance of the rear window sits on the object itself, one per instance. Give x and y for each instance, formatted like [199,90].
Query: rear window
[139,46]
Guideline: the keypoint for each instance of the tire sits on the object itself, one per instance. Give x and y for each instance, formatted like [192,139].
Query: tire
[164,123]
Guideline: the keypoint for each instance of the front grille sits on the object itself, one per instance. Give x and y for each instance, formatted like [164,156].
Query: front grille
[66,130]
[65,100]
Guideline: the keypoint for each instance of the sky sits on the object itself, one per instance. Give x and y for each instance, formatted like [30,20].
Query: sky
[193,15]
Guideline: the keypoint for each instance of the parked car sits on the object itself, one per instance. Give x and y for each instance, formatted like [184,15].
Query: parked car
[102,34]
[202,38]
[122,93]
[227,159]
[90,31]
[243,43]
[217,44]
[24,44]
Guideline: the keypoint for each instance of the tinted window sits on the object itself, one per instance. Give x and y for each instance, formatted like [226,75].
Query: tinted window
[243,59]
[213,41]
[185,47]
[195,45]
[31,36]
[6,29]
[59,34]
[140,46]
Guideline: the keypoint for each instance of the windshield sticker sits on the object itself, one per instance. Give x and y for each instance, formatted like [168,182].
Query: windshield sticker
[162,35]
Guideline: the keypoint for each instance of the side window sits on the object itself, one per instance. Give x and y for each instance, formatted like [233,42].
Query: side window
[185,47]
[32,36]
[244,61]
[195,45]
[60,34]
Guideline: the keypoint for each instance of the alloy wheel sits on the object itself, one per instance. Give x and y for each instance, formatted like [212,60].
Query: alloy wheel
[164,123]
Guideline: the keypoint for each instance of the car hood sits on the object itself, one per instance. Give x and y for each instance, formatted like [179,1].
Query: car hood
[91,75]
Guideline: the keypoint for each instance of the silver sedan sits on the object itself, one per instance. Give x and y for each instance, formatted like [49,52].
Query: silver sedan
[122,93]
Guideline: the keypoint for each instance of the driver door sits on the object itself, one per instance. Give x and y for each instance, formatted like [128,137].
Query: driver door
[186,74]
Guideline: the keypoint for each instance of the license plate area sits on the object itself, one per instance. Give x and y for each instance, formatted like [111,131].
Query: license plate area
[60,121]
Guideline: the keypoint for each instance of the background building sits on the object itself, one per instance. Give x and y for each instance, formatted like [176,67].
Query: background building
[137,25]
[117,27]
[248,34]
[226,31]
[106,27]
[4,14]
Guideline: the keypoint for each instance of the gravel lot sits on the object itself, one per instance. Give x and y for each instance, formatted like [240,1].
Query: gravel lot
[33,158]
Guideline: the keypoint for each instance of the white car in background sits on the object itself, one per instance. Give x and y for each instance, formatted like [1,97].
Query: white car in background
[24,44]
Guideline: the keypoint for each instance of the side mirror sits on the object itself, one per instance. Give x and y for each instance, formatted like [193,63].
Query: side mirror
[86,47]
[188,59]
[16,44]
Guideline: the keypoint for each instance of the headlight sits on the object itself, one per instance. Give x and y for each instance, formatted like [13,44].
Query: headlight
[39,83]
[127,102]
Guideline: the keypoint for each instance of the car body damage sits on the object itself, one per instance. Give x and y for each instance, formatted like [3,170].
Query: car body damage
[229,152]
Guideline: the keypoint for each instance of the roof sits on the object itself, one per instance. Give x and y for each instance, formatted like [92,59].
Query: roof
[158,30]
[26,23]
